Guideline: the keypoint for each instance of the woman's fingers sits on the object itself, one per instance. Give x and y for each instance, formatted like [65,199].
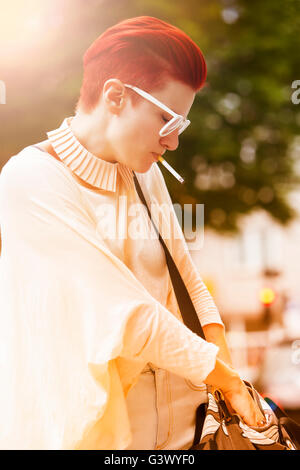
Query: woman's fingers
[244,405]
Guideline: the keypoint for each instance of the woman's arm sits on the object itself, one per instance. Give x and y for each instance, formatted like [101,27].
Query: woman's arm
[157,336]
[156,193]
[215,333]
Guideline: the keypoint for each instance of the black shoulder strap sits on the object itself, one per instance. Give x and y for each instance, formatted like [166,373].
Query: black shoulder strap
[187,309]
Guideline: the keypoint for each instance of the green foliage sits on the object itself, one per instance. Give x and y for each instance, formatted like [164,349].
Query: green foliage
[240,152]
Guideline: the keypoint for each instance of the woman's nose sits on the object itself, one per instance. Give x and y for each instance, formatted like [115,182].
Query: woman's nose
[170,141]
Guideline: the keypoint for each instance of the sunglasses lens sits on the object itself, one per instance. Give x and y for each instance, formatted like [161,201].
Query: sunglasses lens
[175,123]
[171,126]
[184,125]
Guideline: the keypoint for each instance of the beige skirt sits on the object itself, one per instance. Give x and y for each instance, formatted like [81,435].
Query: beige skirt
[162,410]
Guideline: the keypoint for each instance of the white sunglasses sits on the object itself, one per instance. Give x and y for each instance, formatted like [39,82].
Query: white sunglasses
[177,122]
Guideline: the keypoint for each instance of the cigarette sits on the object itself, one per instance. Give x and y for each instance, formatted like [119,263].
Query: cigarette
[171,170]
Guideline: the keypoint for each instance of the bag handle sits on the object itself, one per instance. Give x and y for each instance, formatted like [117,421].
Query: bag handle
[187,309]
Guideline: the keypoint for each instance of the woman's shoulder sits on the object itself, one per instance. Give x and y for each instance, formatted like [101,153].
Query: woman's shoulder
[34,169]
[33,162]
[29,158]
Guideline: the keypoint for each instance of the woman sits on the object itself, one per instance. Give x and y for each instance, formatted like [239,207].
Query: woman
[94,354]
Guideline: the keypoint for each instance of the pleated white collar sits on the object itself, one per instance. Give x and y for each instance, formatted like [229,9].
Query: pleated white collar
[92,169]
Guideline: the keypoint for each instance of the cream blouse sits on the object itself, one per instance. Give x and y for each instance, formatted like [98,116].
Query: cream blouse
[86,299]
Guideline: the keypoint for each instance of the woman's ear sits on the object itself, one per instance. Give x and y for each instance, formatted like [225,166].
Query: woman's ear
[114,95]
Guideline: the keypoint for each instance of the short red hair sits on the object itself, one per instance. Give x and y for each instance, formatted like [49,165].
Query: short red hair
[144,52]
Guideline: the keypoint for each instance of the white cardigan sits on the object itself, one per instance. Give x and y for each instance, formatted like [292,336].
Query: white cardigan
[82,314]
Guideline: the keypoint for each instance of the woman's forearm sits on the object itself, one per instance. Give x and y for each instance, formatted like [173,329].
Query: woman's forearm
[223,377]
[215,333]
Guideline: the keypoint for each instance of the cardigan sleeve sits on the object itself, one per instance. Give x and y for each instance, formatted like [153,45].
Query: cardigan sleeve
[171,231]
[158,337]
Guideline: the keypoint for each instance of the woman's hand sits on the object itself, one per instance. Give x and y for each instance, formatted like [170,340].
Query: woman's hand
[226,379]
[243,404]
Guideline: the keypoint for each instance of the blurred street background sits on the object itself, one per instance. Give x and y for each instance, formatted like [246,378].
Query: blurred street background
[240,157]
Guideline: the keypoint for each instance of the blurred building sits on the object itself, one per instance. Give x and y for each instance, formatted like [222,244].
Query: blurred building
[263,255]
[263,332]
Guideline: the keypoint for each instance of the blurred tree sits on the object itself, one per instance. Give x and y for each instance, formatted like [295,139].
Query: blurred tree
[241,151]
